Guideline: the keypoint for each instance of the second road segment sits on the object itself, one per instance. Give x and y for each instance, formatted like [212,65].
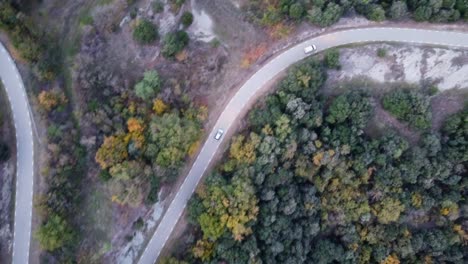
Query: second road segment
[16,93]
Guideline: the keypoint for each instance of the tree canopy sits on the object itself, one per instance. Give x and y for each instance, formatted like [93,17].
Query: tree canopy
[305,183]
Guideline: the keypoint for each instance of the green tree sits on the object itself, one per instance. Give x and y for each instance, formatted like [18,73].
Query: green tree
[145,32]
[54,233]
[173,136]
[174,42]
[296,10]
[388,210]
[112,151]
[398,10]
[332,58]
[376,13]
[409,106]
[187,19]
[147,88]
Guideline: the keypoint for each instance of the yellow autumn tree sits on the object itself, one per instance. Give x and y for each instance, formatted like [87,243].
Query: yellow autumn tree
[159,107]
[244,150]
[136,129]
[203,249]
[391,259]
[112,151]
[48,100]
[135,125]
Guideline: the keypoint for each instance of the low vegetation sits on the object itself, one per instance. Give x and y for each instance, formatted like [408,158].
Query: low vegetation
[32,45]
[326,13]
[304,183]
[409,106]
[186,19]
[145,32]
[174,42]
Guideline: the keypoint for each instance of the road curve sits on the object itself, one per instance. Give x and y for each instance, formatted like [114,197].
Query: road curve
[19,104]
[255,83]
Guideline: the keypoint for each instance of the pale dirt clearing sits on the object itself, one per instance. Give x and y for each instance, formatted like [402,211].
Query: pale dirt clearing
[443,67]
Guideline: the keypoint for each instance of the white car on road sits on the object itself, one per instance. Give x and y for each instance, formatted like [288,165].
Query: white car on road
[310,49]
[219,134]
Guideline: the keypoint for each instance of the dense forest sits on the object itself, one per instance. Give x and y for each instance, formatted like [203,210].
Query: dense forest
[325,13]
[305,183]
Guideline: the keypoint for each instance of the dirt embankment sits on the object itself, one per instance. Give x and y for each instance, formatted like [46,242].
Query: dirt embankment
[7,179]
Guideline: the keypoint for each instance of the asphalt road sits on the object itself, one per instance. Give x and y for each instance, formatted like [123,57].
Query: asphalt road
[255,83]
[15,91]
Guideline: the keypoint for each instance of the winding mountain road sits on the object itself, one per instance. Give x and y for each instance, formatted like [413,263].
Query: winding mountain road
[19,104]
[266,73]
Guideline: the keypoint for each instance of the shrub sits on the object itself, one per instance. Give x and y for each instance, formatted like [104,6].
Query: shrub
[86,20]
[376,13]
[296,11]
[145,32]
[332,59]
[174,42]
[149,86]
[381,52]
[187,19]
[432,90]
[409,106]
[398,10]
[133,13]
[104,175]
[49,100]
[176,4]
[54,233]
[157,6]
[4,152]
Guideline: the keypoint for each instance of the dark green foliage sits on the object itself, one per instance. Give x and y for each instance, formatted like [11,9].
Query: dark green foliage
[325,16]
[133,13]
[381,52]
[318,190]
[54,234]
[104,175]
[409,106]
[375,13]
[138,224]
[4,152]
[174,42]
[456,136]
[157,6]
[153,192]
[145,32]
[32,44]
[296,11]
[332,59]
[326,13]
[186,19]
[398,10]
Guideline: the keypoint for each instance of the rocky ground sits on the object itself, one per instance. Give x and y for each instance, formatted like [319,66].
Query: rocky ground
[442,67]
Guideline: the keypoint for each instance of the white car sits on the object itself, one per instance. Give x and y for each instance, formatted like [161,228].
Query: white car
[219,134]
[310,49]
